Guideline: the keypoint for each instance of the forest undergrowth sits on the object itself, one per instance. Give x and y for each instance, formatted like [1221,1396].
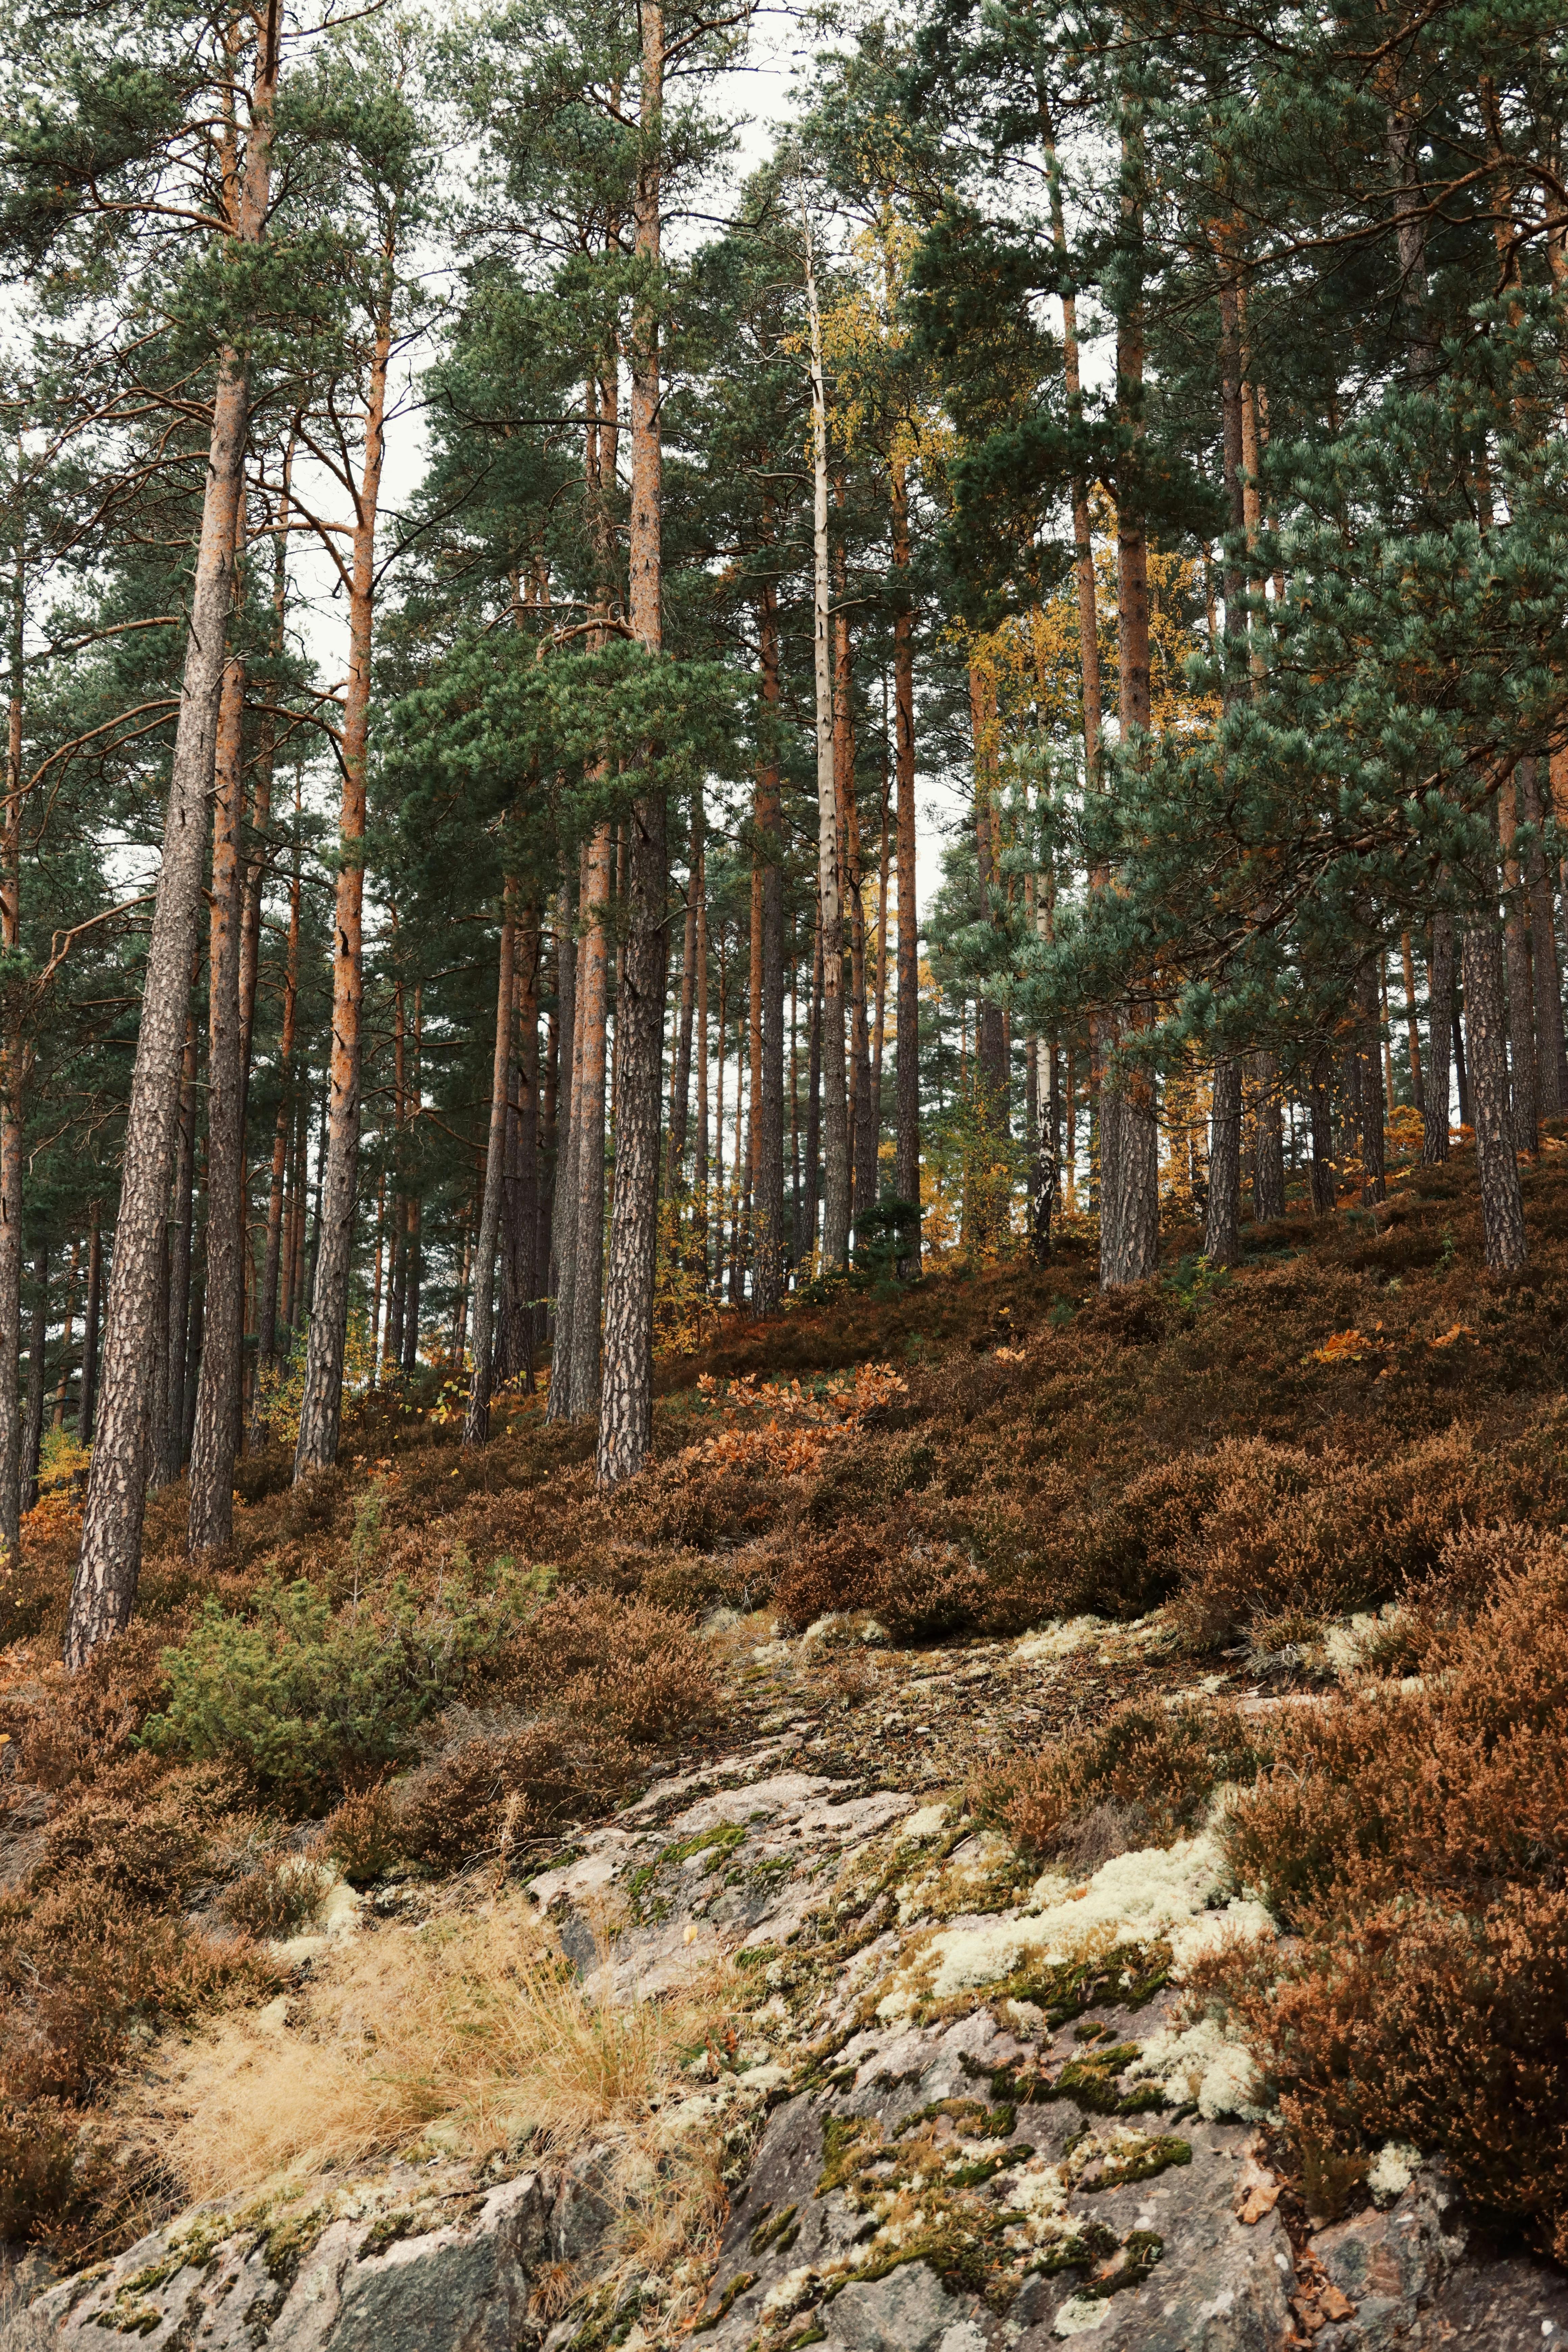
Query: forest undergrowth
[429,1662]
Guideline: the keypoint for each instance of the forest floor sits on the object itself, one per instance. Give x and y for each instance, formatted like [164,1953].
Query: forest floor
[1084,1777]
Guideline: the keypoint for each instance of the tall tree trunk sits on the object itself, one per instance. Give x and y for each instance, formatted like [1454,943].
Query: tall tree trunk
[563,1229]
[104,1590]
[171,1424]
[835,1101]
[1370,1094]
[216,1441]
[62,1382]
[477,1422]
[1268,1143]
[990,1036]
[767,1084]
[907,1164]
[1412,1028]
[321,1405]
[14,1052]
[680,1084]
[625,1418]
[266,1316]
[415,1244]
[1502,1204]
[814,1089]
[526,1236]
[862,1115]
[1222,1228]
[588,1126]
[89,1329]
[1325,1175]
[34,1446]
[699,1254]
[1439,1032]
[1130,1141]
[1551,1054]
[1516,959]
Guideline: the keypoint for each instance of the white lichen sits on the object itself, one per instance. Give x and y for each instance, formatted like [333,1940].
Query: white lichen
[921,1826]
[1394,2169]
[1204,2064]
[1134,1898]
[1080,2316]
[1058,1640]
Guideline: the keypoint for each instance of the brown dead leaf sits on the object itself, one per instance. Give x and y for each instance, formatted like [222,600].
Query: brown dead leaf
[1257,2192]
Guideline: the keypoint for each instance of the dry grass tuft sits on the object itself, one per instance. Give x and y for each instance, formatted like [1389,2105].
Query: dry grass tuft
[474,2032]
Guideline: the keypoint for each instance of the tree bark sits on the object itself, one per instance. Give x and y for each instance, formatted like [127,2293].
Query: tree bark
[625,1418]
[680,1084]
[1502,1206]
[104,1590]
[907,1164]
[767,1090]
[1439,1032]
[267,1316]
[1222,1225]
[862,1112]
[89,1331]
[215,1441]
[588,1125]
[1268,1144]
[1516,959]
[320,1411]
[1412,1028]
[477,1421]
[1325,1175]
[563,1223]
[14,1052]
[1551,1054]
[1371,1106]
[171,1423]
[33,1445]
[835,1099]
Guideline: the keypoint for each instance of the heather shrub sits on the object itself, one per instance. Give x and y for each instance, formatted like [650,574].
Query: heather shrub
[279,1898]
[1414,1840]
[1144,1776]
[918,1590]
[140,1830]
[629,1669]
[301,1697]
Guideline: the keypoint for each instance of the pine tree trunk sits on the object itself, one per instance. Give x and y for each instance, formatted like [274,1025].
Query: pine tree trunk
[215,1439]
[104,1590]
[767,1090]
[89,1331]
[1325,1175]
[34,1442]
[813,1091]
[907,1164]
[1412,1028]
[1269,1145]
[1439,1032]
[1502,1206]
[862,1114]
[835,1099]
[1222,1225]
[1552,1053]
[320,1411]
[13,1058]
[563,1194]
[1372,1107]
[525,1258]
[415,1279]
[170,1423]
[267,1316]
[588,1125]
[990,1036]
[625,1418]
[1516,958]
[681,1087]
[62,1381]
[477,1422]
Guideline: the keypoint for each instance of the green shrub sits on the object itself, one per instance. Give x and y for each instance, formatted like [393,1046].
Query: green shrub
[302,1698]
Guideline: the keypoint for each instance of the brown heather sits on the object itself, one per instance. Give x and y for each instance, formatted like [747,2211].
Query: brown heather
[1361,1416]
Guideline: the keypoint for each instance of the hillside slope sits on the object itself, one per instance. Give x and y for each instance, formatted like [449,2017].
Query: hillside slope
[1002,1717]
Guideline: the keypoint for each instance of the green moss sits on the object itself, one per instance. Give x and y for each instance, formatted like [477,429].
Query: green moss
[387,2227]
[847,2142]
[717,1841]
[1140,2252]
[1090,2081]
[737,2287]
[1156,2155]
[775,2232]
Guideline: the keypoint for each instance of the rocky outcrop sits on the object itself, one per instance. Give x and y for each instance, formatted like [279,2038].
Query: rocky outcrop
[915,2162]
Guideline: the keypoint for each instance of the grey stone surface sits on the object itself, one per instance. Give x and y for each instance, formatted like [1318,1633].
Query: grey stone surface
[908,2311]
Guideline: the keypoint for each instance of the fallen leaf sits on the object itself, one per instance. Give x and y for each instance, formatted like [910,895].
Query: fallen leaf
[1333,2304]
[1257,2192]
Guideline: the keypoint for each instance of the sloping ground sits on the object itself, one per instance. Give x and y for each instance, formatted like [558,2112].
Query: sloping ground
[1017,2161]
[1241,1605]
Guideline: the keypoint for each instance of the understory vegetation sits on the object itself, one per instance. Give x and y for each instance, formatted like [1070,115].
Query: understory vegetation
[428,1663]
